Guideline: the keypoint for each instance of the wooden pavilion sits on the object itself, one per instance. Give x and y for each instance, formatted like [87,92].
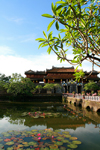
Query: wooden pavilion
[62,75]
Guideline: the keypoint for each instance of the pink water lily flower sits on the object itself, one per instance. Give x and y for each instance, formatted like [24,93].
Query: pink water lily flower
[52,136]
[39,134]
[39,138]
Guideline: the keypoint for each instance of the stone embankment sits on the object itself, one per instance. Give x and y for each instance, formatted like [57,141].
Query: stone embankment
[85,102]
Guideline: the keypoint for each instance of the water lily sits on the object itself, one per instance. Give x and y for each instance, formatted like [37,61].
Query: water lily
[39,134]
[39,138]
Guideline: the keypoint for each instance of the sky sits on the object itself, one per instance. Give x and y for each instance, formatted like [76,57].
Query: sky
[21,24]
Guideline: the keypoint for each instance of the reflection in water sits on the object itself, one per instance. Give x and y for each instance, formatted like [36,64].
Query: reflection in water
[83,124]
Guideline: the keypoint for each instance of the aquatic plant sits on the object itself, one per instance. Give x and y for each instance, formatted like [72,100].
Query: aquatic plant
[38,140]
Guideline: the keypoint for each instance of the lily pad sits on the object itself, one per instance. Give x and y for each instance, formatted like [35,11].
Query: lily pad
[24,114]
[59,143]
[60,138]
[54,149]
[62,148]
[53,146]
[36,145]
[65,141]
[34,130]
[57,130]
[10,148]
[1,145]
[37,116]
[10,143]
[67,136]
[72,146]
[65,132]
[32,143]
[76,142]
[7,140]
[46,148]
[73,138]
[1,140]
[6,134]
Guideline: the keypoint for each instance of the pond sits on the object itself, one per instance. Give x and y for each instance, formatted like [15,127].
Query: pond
[48,126]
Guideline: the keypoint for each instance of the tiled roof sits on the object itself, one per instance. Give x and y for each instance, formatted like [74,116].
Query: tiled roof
[62,69]
[59,77]
[35,72]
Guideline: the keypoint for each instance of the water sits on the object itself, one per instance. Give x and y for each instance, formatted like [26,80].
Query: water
[83,124]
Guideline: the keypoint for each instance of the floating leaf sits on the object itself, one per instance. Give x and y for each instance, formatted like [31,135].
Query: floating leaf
[24,114]
[10,143]
[76,142]
[54,146]
[1,145]
[24,143]
[46,148]
[73,138]
[67,136]
[72,146]
[32,143]
[57,130]
[60,138]
[62,148]
[65,141]
[1,140]
[65,132]
[59,143]
[6,140]
[10,148]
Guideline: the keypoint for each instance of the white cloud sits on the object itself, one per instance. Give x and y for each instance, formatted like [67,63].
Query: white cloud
[4,50]
[16,64]
[12,64]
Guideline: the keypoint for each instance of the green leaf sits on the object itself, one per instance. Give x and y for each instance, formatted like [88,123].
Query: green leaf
[55,46]
[49,50]
[57,25]
[44,45]
[60,2]
[60,60]
[50,35]
[40,39]
[47,15]
[76,68]
[40,45]
[44,34]
[53,9]
[59,36]
[59,7]
[50,24]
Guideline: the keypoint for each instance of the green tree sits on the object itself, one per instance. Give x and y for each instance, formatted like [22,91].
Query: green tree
[4,78]
[2,87]
[56,85]
[27,86]
[16,77]
[49,86]
[91,86]
[39,87]
[81,30]
[21,87]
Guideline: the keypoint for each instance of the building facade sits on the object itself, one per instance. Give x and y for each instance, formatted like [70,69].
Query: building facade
[63,76]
